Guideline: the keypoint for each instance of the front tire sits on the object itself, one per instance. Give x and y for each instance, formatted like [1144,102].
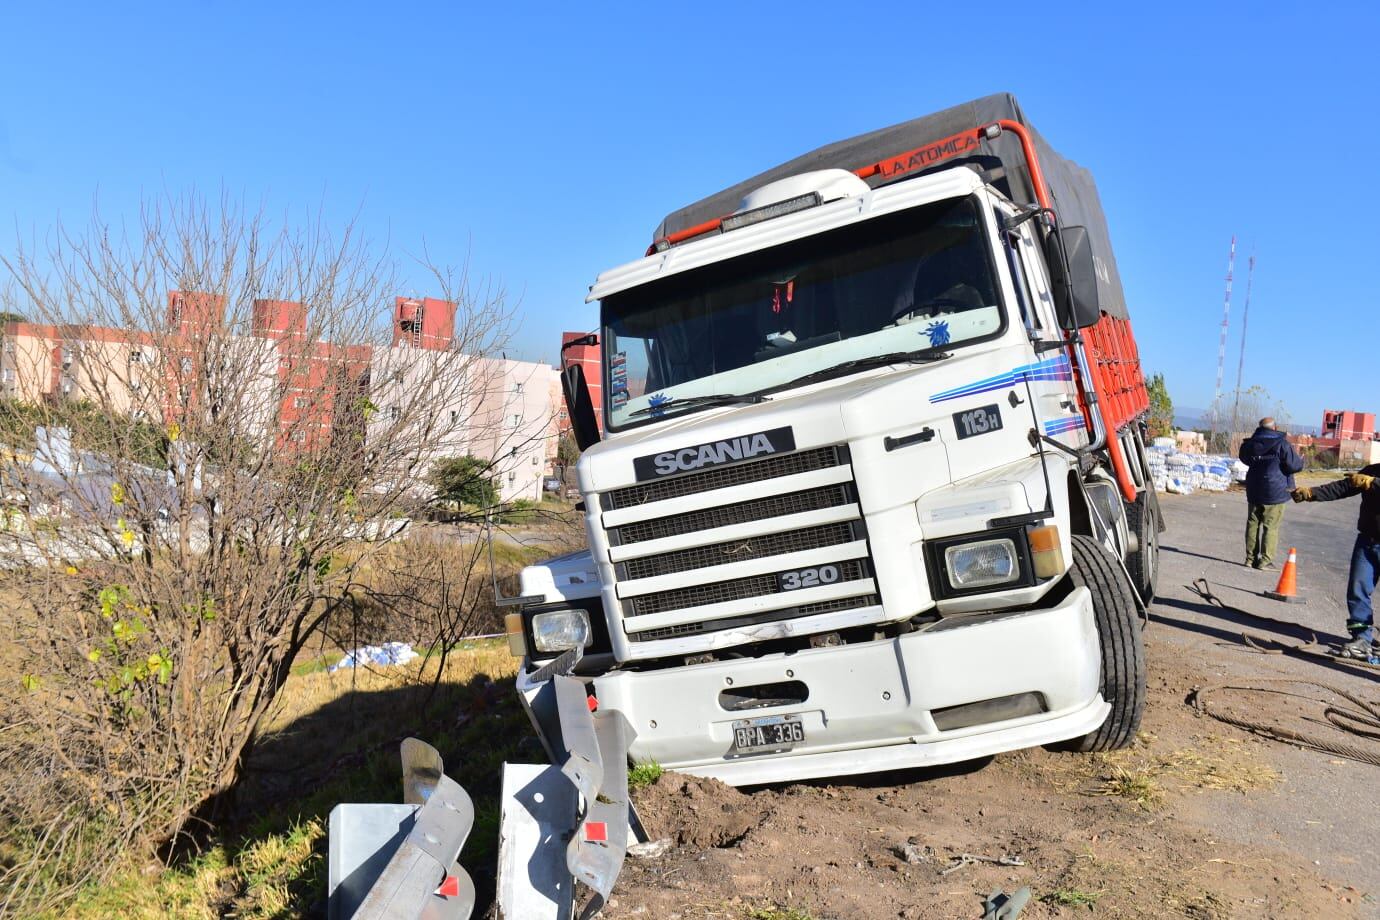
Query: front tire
[1119,638]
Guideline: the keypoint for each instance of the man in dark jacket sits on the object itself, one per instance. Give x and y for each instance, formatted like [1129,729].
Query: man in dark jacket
[1365,555]
[1273,461]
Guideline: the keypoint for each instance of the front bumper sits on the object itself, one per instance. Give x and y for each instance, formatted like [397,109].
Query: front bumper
[869,706]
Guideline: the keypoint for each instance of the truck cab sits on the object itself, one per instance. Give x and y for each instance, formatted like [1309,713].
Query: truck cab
[869,493]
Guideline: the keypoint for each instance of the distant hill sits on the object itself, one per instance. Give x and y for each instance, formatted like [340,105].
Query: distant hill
[1187,418]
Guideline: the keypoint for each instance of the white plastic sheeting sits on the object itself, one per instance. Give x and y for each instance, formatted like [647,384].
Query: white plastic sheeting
[390,653]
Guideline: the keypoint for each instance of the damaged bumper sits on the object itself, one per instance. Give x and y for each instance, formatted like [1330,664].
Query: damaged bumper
[965,688]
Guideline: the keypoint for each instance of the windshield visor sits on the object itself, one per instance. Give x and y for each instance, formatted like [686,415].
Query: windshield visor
[919,280]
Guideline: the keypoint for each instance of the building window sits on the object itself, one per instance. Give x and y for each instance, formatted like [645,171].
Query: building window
[514,453]
[186,365]
[455,416]
[136,357]
[395,412]
[301,402]
[512,478]
[516,421]
[517,388]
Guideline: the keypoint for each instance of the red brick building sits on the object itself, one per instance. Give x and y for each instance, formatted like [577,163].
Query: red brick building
[425,323]
[1342,425]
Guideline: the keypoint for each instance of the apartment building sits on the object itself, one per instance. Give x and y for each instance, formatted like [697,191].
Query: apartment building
[496,409]
[298,392]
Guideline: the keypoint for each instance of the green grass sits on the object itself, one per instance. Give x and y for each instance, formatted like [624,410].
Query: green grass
[1137,785]
[644,774]
[779,913]
[1072,897]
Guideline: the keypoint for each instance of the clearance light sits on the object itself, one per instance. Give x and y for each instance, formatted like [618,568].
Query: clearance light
[1046,551]
[767,212]
[512,625]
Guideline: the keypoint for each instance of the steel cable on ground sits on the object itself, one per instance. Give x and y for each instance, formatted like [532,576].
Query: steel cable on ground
[1345,720]
[1334,714]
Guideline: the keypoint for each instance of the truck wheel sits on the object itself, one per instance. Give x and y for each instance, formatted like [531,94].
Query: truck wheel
[1144,564]
[1118,632]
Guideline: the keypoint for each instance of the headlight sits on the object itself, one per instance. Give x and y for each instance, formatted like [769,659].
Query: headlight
[559,630]
[982,563]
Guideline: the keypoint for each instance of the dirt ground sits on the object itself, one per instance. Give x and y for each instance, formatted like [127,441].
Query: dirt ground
[1198,819]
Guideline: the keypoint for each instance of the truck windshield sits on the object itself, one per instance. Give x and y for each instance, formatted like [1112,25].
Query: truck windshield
[916,281]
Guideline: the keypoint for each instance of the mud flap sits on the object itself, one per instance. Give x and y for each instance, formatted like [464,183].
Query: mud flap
[420,879]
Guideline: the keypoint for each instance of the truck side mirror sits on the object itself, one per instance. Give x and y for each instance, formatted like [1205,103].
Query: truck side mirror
[581,408]
[1073,277]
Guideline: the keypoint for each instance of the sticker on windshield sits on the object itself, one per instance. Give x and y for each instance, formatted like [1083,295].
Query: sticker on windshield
[657,403]
[938,332]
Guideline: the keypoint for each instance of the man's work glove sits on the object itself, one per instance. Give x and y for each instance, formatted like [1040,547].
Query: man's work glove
[1302,495]
[1361,481]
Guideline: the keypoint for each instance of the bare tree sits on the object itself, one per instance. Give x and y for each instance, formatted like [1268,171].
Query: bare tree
[1235,416]
[226,444]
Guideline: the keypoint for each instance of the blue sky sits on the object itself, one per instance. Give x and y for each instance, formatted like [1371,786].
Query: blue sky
[545,143]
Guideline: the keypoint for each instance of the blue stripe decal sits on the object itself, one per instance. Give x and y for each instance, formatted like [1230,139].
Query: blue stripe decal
[1057,368]
[1064,425]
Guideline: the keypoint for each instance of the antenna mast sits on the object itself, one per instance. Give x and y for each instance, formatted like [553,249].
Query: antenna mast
[1245,318]
[1222,345]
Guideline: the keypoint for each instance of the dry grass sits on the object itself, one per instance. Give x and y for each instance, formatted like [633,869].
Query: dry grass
[1144,774]
[310,693]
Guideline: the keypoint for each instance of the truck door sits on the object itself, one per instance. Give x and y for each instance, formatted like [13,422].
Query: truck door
[1054,389]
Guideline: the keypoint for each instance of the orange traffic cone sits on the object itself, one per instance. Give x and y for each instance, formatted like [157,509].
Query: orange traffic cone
[1288,589]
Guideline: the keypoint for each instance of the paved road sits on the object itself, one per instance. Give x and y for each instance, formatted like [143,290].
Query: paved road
[1326,809]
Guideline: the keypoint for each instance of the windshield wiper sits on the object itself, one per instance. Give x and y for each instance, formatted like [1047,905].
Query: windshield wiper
[709,399]
[919,356]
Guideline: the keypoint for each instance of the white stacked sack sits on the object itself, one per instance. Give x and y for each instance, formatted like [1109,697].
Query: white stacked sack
[1182,473]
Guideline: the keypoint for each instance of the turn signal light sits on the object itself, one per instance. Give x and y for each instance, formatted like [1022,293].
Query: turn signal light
[512,625]
[1046,551]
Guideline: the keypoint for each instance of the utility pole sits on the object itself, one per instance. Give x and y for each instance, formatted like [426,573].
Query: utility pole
[1222,347]
[1241,363]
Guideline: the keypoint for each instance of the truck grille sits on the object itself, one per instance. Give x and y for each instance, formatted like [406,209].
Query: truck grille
[804,610]
[833,534]
[723,477]
[776,544]
[724,591]
[727,515]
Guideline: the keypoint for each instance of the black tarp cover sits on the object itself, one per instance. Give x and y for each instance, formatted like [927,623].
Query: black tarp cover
[1071,187]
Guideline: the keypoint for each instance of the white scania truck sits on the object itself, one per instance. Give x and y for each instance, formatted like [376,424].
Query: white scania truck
[870,491]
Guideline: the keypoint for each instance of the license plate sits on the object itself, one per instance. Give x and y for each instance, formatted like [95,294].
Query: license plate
[767,734]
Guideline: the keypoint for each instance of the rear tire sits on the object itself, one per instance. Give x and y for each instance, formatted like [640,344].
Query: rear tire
[1119,637]
[1144,564]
